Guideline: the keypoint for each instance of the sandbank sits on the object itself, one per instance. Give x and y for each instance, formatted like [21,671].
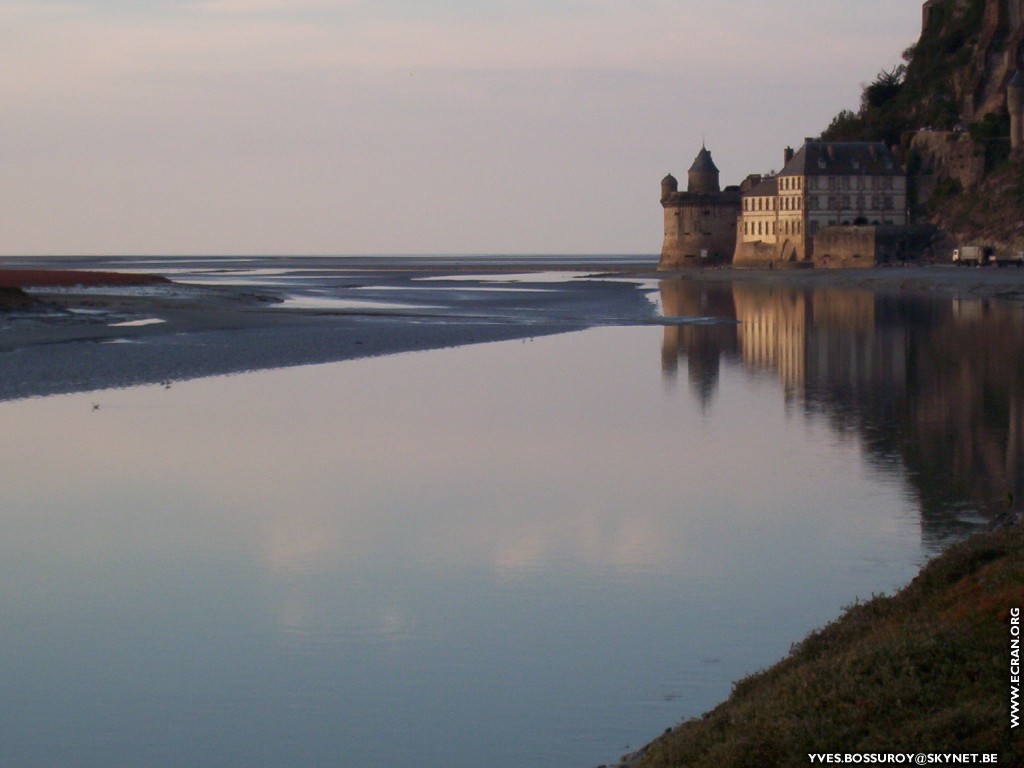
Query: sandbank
[68,331]
[98,325]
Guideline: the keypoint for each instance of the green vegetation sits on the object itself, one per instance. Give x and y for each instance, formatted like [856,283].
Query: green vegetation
[921,93]
[926,670]
[956,68]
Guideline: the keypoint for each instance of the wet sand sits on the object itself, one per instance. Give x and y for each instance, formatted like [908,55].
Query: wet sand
[66,333]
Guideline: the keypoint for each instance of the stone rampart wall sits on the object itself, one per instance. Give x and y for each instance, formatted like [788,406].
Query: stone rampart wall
[700,230]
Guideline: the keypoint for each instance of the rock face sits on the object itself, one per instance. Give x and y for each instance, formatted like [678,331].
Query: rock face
[962,91]
[968,52]
[998,51]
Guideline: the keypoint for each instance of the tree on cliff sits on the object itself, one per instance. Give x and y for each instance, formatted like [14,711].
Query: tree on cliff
[879,117]
[928,89]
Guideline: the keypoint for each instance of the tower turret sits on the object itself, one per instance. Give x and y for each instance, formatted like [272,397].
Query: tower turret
[669,186]
[703,174]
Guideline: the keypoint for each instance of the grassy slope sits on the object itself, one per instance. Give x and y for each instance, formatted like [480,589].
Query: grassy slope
[926,670]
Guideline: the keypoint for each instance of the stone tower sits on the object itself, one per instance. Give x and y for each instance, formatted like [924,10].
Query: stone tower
[669,186]
[700,223]
[703,174]
[1015,106]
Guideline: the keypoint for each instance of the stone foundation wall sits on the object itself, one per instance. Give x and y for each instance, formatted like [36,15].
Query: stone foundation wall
[755,255]
[700,230]
[845,247]
[856,247]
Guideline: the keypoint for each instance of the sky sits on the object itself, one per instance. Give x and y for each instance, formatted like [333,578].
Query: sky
[404,126]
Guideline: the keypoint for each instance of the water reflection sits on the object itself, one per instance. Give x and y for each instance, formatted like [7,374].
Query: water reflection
[522,553]
[932,386]
[525,553]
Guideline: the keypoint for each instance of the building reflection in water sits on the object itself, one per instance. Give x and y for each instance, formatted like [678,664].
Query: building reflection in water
[930,387]
[701,344]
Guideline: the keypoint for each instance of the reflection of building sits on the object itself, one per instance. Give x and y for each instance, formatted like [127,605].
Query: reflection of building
[773,331]
[932,389]
[702,345]
[851,346]
[700,223]
[910,378]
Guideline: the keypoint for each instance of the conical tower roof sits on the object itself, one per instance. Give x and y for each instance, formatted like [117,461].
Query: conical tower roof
[703,175]
[703,162]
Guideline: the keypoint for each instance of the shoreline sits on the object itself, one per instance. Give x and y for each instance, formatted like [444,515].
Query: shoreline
[926,670]
[66,330]
[1005,283]
[148,329]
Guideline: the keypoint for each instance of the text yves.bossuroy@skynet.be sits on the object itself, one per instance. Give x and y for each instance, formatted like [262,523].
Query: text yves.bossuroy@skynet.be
[905,758]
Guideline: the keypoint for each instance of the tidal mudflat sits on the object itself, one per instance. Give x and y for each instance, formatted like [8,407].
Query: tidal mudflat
[244,537]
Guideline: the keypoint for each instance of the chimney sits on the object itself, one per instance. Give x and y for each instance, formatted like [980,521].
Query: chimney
[787,155]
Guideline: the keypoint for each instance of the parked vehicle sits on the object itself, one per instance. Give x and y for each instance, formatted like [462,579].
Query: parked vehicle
[1012,259]
[969,256]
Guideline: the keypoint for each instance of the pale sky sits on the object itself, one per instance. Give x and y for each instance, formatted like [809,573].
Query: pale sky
[404,126]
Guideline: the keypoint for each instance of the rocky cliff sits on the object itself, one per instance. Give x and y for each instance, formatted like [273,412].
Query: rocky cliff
[946,111]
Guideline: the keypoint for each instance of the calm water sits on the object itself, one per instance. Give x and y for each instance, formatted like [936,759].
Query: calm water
[527,553]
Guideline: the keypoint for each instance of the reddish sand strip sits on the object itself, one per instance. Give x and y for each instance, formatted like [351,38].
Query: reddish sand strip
[39,278]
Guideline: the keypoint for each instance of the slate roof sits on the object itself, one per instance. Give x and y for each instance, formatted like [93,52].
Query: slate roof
[843,158]
[767,188]
[703,162]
